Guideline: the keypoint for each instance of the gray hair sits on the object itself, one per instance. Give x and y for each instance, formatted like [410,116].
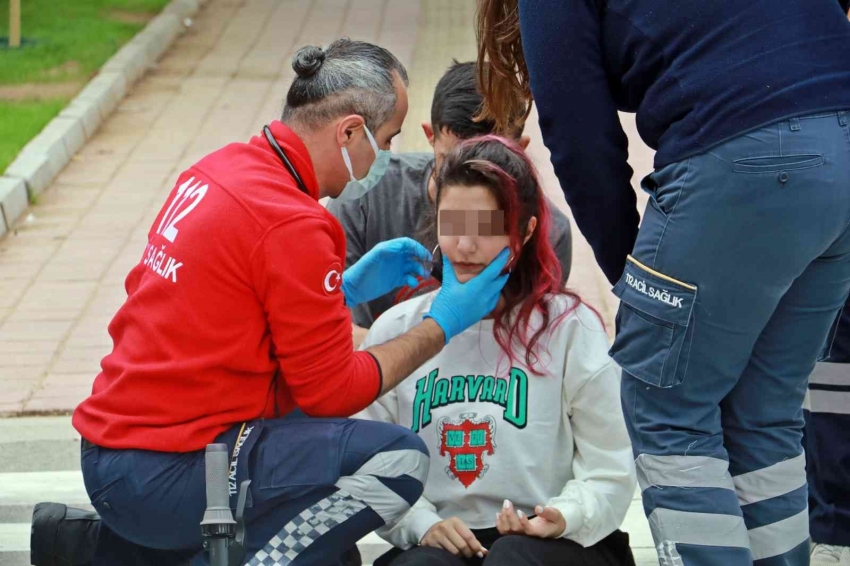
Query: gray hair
[349,77]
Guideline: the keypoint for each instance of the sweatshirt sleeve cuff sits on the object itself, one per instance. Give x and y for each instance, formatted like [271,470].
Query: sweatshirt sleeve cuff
[420,522]
[573,515]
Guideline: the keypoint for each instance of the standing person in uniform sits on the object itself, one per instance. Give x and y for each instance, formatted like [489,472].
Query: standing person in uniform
[531,463]
[236,330]
[402,203]
[827,443]
[743,256]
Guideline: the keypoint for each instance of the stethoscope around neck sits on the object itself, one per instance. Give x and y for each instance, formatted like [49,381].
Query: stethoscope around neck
[280,153]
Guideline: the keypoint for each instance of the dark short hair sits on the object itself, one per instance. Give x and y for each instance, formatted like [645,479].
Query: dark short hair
[456,102]
[349,77]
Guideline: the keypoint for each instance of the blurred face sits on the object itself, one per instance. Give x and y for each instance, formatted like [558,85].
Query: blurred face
[470,228]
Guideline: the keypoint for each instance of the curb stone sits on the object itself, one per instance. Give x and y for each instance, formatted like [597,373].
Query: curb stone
[46,155]
[13,201]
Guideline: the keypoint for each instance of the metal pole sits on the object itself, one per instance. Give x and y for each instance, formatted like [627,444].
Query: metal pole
[14,23]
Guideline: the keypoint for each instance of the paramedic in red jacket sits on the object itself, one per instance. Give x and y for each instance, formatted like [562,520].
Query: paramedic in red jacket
[236,330]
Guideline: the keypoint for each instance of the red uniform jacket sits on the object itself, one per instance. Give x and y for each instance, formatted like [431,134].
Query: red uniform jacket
[240,277]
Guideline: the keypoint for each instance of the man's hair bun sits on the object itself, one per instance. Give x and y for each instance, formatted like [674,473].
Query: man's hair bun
[307,61]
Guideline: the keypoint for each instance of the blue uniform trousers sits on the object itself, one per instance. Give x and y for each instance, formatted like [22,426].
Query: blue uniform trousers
[740,267]
[318,486]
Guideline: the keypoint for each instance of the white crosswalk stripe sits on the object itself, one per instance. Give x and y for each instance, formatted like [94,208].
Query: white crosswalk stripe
[18,488]
[39,461]
[14,537]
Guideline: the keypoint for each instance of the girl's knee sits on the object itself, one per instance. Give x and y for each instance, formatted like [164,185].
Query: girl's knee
[507,551]
[426,556]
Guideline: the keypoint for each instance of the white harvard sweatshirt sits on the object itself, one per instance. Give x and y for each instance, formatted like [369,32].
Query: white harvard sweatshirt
[497,431]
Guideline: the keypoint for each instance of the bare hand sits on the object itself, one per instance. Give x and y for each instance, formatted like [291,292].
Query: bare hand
[549,523]
[453,535]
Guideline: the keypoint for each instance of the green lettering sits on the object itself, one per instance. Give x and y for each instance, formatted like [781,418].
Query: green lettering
[422,401]
[458,383]
[477,438]
[473,386]
[501,392]
[465,462]
[516,411]
[454,438]
[441,393]
[487,393]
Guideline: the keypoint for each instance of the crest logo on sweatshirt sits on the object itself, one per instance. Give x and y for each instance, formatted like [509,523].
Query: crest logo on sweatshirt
[465,441]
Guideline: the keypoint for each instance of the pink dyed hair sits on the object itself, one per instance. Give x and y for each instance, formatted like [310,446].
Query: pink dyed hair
[503,167]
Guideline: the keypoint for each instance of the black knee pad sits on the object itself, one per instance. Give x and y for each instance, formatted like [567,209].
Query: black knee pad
[62,535]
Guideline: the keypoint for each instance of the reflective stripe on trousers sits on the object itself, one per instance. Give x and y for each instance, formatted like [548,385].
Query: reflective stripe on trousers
[721,530]
[829,389]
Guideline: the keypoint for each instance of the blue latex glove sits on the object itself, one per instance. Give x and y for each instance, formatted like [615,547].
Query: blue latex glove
[387,266]
[458,306]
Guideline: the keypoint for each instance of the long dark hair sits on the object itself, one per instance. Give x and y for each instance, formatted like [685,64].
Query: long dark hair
[503,80]
[505,170]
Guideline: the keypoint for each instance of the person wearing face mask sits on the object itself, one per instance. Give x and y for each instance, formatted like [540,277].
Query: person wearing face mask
[401,205]
[236,330]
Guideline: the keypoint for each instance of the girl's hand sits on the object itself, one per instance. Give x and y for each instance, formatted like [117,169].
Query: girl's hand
[453,535]
[549,523]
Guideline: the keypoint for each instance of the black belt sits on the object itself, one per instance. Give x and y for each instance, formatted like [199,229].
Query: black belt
[87,445]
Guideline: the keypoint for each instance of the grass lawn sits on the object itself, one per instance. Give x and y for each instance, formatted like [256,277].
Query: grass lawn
[71,40]
[20,122]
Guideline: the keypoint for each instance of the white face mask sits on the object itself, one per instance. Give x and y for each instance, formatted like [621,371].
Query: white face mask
[356,189]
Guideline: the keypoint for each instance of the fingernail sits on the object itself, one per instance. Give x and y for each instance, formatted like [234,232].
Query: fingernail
[538,509]
[480,554]
[521,515]
[507,504]
[497,517]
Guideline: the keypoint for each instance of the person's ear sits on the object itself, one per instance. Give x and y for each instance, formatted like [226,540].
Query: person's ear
[347,127]
[532,224]
[429,132]
[524,141]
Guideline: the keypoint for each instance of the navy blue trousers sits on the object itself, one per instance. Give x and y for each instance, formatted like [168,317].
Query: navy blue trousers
[827,439]
[740,267]
[318,486]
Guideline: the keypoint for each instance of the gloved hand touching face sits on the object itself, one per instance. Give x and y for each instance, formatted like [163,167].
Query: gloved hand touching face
[458,306]
[387,266]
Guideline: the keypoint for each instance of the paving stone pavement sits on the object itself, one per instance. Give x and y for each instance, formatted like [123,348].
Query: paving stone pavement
[63,266]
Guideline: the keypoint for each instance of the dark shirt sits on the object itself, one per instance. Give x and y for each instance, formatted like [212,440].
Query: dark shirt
[695,73]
